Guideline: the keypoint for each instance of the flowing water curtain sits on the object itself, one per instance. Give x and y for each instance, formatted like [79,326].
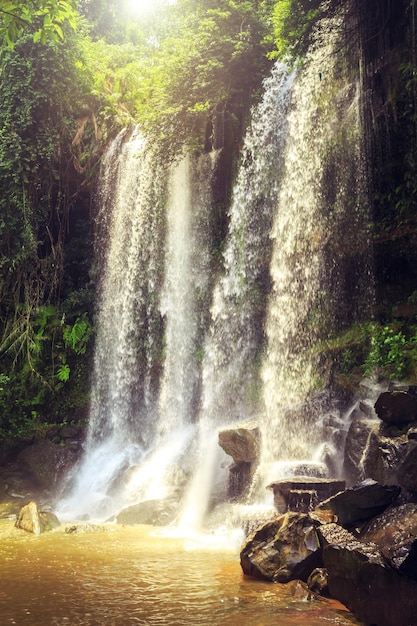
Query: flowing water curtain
[320,265]
[234,341]
[230,367]
[128,346]
[186,290]
[128,310]
[184,302]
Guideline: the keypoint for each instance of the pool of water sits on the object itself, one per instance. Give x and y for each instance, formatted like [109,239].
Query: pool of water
[141,575]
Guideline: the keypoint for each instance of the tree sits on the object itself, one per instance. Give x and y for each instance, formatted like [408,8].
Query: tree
[44,18]
[208,61]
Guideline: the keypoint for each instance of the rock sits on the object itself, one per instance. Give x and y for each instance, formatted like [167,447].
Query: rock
[300,591]
[77,529]
[386,450]
[282,550]
[356,442]
[71,432]
[334,534]
[240,475]
[407,470]
[361,502]
[359,577]
[49,520]
[17,484]
[34,521]
[395,533]
[28,519]
[242,443]
[302,493]
[317,581]
[151,512]
[412,433]
[48,462]
[396,407]
[367,410]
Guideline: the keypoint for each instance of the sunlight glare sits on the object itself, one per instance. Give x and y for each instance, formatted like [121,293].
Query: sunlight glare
[140,8]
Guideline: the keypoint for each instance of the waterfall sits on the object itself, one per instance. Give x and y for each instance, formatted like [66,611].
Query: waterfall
[183,300]
[230,372]
[320,266]
[124,390]
[183,349]
[153,249]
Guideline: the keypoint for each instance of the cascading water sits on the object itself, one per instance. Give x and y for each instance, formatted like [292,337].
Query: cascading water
[179,354]
[230,372]
[320,268]
[184,293]
[155,277]
[123,398]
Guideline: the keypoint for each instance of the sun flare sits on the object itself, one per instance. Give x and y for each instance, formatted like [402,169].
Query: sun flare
[139,8]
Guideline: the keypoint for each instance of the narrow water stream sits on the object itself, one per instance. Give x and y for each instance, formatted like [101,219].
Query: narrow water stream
[141,575]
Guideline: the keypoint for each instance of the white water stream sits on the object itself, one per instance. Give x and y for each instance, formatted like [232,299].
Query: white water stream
[180,354]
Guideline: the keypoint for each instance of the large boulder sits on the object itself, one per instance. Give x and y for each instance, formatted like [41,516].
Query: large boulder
[360,578]
[303,493]
[242,442]
[48,462]
[357,438]
[397,407]
[34,521]
[407,470]
[152,512]
[283,549]
[361,502]
[395,534]
[386,450]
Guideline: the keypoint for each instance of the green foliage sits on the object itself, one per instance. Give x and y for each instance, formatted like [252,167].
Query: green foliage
[347,361]
[63,372]
[45,19]
[208,56]
[387,351]
[76,336]
[37,125]
[293,22]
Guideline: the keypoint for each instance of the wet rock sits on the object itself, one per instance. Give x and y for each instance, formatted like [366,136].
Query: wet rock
[407,470]
[48,462]
[317,581]
[34,521]
[386,450]
[412,433]
[302,493]
[49,520]
[79,529]
[361,502]
[16,484]
[360,578]
[300,591]
[151,512]
[240,475]
[28,519]
[357,438]
[396,407]
[395,533]
[283,549]
[367,410]
[242,443]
